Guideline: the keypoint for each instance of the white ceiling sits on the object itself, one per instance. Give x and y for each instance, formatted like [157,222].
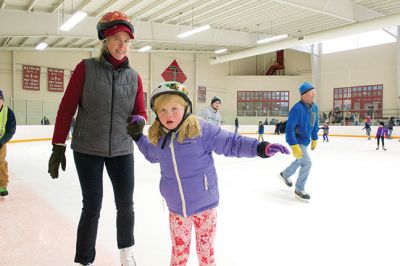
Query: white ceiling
[235,24]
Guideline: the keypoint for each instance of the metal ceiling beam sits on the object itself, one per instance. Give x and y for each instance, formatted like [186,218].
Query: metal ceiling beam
[142,12]
[83,5]
[33,26]
[102,9]
[21,43]
[171,10]
[54,44]
[342,9]
[355,28]
[229,13]
[6,42]
[194,17]
[189,11]
[31,4]
[126,8]
[56,6]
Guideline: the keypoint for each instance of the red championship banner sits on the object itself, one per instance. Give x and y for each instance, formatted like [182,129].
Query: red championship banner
[201,94]
[31,77]
[55,79]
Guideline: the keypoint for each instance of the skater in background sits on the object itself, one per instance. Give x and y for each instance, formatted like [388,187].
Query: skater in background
[8,126]
[325,132]
[45,121]
[391,124]
[183,145]
[106,91]
[381,133]
[278,127]
[212,113]
[301,129]
[260,131]
[236,125]
[367,128]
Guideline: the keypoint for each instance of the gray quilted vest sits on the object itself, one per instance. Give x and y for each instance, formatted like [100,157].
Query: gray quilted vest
[108,99]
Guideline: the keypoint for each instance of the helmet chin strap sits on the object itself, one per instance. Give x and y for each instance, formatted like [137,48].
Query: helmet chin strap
[170,132]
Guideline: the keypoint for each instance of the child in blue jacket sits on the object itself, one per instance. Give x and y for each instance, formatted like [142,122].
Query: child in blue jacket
[260,131]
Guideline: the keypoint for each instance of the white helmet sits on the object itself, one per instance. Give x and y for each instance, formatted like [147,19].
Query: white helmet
[172,87]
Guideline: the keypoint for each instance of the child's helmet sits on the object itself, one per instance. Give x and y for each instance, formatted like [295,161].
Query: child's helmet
[172,87]
[111,19]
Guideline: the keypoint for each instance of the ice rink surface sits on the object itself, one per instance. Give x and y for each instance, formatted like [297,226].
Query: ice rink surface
[353,217]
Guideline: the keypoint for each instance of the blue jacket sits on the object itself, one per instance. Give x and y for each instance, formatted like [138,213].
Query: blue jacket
[189,182]
[302,124]
[260,129]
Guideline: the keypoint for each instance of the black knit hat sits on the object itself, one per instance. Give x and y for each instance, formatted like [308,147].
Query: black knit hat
[215,99]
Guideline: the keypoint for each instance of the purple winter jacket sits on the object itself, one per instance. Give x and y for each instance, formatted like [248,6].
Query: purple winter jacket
[192,186]
[381,132]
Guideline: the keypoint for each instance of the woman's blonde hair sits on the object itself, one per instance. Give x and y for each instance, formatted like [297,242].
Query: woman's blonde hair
[190,128]
[103,48]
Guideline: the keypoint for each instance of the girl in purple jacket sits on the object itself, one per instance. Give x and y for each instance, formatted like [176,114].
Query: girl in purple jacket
[183,145]
[381,133]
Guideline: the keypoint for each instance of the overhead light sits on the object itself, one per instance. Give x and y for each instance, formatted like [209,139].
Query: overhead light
[145,48]
[194,31]
[72,21]
[272,39]
[41,46]
[220,51]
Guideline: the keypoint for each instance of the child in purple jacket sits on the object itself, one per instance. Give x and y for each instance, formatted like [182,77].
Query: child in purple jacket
[381,133]
[183,145]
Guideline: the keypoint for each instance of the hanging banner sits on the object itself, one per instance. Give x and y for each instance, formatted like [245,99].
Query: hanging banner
[55,79]
[31,77]
[201,94]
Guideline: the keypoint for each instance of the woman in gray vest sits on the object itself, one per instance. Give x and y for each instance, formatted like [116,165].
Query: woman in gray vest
[106,91]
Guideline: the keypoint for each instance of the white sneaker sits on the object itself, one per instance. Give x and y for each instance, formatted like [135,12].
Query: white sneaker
[126,256]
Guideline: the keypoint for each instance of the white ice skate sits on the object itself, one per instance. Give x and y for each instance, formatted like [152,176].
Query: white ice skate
[126,256]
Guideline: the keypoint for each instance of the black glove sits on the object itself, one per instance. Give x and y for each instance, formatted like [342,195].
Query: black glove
[261,146]
[57,158]
[135,126]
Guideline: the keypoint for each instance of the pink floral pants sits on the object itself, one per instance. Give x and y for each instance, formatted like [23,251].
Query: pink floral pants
[181,228]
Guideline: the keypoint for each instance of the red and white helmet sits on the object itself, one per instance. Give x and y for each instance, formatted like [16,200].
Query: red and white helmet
[113,22]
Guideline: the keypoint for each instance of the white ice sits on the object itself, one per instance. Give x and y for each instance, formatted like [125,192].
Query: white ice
[352,218]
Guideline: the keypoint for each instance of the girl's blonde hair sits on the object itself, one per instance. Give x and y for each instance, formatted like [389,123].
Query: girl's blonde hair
[190,128]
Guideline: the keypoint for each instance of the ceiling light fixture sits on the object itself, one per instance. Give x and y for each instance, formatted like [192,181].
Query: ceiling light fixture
[72,21]
[272,39]
[41,46]
[194,31]
[220,51]
[145,48]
